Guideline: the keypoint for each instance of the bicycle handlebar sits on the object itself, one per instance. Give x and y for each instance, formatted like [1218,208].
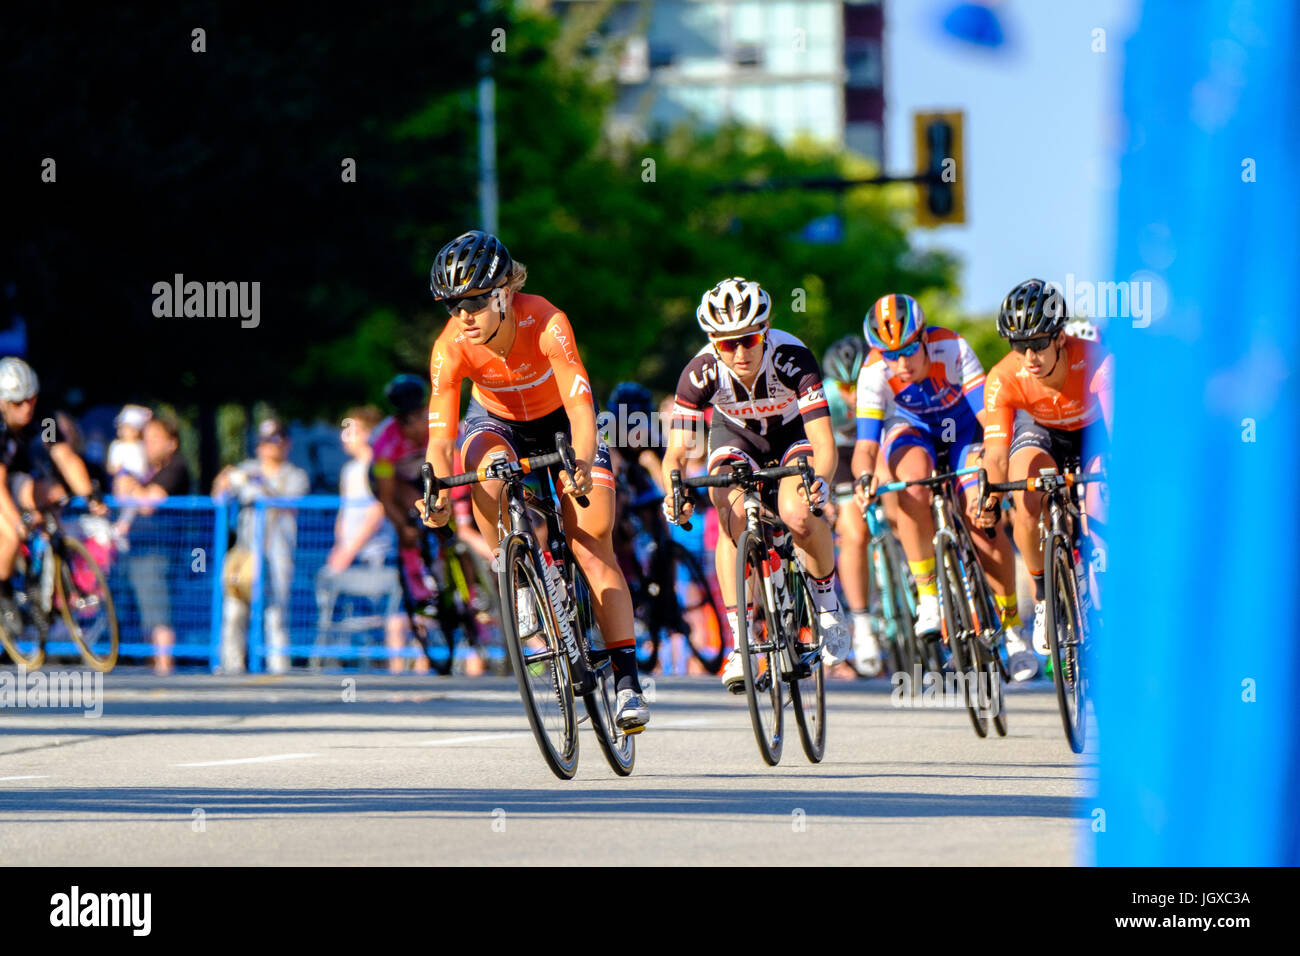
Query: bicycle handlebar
[744,476]
[503,470]
[1045,482]
[933,481]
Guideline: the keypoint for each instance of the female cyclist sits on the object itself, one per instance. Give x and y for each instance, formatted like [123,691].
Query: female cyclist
[528,384]
[769,408]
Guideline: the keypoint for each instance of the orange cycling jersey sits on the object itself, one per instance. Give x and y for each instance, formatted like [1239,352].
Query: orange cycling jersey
[1078,404]
[542,372]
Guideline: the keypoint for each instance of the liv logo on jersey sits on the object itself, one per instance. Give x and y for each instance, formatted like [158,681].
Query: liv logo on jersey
[708,372]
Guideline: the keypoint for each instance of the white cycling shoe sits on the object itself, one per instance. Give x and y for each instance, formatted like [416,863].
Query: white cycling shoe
[733,673]
[1021,661]
[866,649]
[1040,629]
[835,637]
[927,615]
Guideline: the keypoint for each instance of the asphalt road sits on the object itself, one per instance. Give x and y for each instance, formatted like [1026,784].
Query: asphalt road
[194,770]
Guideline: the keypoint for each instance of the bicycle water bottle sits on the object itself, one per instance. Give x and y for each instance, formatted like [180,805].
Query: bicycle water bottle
[556,592]
[560,601]
[35,557]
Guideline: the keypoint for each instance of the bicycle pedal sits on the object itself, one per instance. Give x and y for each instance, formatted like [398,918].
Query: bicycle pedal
[632,731]
[737,687]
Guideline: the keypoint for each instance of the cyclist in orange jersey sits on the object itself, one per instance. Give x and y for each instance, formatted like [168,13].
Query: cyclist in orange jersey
[1049,404]
[529,383]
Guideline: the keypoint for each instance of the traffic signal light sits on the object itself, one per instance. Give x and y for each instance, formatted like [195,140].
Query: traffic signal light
[941,199]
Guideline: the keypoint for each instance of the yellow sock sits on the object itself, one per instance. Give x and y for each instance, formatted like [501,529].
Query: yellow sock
[923,575]
[1009,608]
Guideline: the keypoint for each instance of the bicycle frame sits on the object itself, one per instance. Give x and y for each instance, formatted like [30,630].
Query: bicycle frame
[760,526]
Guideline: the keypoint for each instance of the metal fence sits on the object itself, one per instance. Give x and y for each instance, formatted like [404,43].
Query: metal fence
[174,562]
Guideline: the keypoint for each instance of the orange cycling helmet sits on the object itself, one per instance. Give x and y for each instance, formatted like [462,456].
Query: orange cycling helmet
[893,322]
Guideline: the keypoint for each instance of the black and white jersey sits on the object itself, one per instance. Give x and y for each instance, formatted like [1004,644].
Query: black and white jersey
[788,388]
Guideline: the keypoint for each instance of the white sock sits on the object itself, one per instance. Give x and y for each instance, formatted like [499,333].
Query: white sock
[823,590]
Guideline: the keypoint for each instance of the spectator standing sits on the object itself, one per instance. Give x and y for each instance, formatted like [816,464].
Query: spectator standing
[148,561]
[364,541]
[267,475]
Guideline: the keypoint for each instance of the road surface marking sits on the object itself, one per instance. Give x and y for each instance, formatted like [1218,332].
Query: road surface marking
[226,763]
[472,738]
[43,776]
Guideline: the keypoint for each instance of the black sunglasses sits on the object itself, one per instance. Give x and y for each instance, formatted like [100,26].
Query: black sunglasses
[1039,343]
[471,304]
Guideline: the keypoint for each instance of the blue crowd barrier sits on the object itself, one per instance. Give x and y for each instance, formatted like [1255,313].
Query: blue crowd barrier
[168,563]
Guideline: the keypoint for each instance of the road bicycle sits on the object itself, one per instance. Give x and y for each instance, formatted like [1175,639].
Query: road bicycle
[892,608]
[1068,555]
[547,615]
[784,640]
[671,594]
[969,619]
[57,581]
[459,602]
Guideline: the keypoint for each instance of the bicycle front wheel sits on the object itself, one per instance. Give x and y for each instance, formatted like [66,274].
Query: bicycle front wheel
[602,704]
[959,630]
[808,693]
[82,596]
[1064,637]
[759,650]
[537,655]
[904,611]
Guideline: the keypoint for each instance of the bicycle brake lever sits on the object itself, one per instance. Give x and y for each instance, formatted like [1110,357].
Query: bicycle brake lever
[677,499]
[566,453]
[807,486]
[426,472]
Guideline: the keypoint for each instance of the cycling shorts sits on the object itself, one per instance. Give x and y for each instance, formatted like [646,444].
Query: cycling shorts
[779,447]
[1069,449]
[963,450]
[526,438]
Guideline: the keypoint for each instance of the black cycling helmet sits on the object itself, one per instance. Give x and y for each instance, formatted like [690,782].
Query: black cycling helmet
[406,393]
[1031,309]
[843,360]
[632,396]
[471,262]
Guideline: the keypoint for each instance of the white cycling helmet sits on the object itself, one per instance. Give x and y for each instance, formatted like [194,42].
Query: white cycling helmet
[17,380]
[733,306]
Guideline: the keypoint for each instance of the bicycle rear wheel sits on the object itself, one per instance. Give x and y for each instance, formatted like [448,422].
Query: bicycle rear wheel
[959,630]
[694,597]
[1064,637]
[602,704]
[808,694]
[759,650]
[540,664]
[82,596]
